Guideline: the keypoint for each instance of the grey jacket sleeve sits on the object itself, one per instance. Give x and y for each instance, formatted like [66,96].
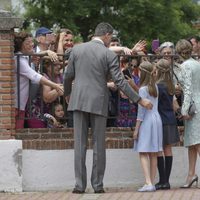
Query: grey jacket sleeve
[69,75]
[118,78]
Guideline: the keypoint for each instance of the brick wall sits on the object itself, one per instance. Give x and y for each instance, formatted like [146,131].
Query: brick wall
[7,99]
[7,120]
[46,139]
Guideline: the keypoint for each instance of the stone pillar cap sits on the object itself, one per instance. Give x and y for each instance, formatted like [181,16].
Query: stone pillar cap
[8,22]
[5,13]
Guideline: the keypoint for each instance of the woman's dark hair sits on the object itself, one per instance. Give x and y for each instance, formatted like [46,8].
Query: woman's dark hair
[19,39]
[67,32]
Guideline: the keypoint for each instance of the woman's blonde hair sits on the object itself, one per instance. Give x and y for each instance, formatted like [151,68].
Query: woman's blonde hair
[146,77]
[184,48]
[164,75]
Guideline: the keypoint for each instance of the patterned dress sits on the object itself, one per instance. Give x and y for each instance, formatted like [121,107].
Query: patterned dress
[127,110]
[190,81]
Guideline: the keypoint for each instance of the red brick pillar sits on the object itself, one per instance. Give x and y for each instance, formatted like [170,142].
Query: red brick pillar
[7,99]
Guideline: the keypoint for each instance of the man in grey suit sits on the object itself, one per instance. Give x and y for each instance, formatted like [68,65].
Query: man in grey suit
[90,64]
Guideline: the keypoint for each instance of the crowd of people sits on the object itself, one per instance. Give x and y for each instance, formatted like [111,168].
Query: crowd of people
[101,78]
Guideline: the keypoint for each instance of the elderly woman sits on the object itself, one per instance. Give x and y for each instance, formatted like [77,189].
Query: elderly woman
[23,44]
[190,81]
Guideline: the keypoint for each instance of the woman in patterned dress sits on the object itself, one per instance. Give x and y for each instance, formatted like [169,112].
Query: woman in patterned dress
[190,82]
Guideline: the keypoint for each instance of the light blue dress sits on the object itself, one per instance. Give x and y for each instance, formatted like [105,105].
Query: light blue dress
[190,82]
[150,136]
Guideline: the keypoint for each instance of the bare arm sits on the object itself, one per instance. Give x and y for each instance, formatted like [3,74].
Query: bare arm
[118,49]
[52,55]
[45,81]
[136,130]
[60,49]
[50,95]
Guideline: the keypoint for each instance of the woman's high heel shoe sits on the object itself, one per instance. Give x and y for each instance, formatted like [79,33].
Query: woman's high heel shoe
[194,179]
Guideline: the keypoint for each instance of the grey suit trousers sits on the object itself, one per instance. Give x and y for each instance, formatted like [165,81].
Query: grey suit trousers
[98,127]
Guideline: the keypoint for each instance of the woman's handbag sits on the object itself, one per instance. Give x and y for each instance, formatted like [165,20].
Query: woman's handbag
[192,109]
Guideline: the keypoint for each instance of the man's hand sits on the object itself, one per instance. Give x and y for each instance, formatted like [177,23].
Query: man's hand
[112,86]
[146,103]
[126,51]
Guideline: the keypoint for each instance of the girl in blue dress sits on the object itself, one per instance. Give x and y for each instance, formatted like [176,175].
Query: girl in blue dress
[148,130]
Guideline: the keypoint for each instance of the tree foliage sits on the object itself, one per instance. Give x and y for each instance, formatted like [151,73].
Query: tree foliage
[133,19]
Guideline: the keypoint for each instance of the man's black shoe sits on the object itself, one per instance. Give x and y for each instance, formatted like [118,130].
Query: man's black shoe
[76,191]
[99,191]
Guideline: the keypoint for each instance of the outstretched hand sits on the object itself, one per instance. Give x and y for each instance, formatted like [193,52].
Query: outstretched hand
[59,88]
[52,55]
[139,46]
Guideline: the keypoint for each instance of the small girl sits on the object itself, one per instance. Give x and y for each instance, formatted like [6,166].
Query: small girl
[148,129]
[170,131]
[57,119]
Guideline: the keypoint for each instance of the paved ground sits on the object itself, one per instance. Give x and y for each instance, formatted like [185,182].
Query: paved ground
[111,194]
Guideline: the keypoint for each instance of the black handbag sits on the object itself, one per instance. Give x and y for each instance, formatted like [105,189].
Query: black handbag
[192,109]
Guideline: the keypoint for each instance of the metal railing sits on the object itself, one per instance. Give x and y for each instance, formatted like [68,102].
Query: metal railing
[41,69]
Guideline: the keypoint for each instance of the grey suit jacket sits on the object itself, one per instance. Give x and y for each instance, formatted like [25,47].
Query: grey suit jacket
[90,64]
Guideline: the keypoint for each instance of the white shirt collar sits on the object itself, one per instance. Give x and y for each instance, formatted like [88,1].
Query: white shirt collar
[98,39]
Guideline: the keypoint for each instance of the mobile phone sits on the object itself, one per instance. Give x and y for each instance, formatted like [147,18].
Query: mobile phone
[127,72]
[155,44]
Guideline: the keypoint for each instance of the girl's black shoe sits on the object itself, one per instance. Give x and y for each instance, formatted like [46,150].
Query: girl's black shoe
[166,186]
[162,186]
[158,186]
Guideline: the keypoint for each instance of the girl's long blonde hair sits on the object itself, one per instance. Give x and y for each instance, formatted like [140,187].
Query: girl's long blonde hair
[147,78]
[164,75]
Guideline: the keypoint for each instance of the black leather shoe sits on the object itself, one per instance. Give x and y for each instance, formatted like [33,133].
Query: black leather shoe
[165,186]
[76,191]
[158,186]
[99,191]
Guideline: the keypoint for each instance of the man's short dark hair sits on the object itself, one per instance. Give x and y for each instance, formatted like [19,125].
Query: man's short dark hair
[103,28]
